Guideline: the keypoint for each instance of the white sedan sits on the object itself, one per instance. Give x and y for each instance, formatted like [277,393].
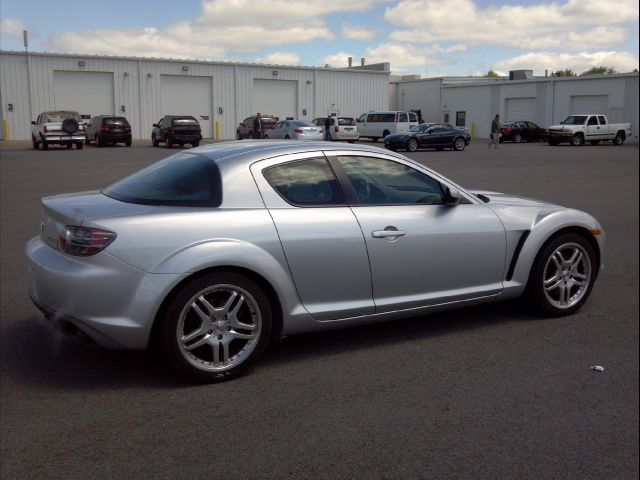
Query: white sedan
[295,130]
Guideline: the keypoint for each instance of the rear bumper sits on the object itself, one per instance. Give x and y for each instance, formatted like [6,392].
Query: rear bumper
[64,138]
[185,138]
[111,302]
[115,137]
[345,136]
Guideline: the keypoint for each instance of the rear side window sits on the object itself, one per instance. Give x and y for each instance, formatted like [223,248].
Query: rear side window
[306,183]
[181,180]
[346,122]
[381,117]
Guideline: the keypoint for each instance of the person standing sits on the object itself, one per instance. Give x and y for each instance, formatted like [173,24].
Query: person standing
[327,129]
[257,126]
[495,131]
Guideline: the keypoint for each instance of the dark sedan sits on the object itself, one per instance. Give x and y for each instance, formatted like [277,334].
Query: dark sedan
[522,131]
[429,135]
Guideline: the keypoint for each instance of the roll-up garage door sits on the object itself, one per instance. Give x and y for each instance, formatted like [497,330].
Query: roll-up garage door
[276,97]
[581,104]
[520,109]
[182,95]
[89,93]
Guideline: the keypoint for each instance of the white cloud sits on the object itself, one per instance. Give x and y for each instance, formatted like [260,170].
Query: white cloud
[401,56]
[352,32]
[280,58]
[220,27]
[579,62]
[12,28]
[573,25]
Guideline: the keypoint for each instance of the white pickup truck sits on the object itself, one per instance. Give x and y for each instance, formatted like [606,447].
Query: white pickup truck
[62,127]
[592,128]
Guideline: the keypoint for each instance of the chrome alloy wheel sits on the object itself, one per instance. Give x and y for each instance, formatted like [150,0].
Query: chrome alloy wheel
[567,275]
[459,144]
[219,327]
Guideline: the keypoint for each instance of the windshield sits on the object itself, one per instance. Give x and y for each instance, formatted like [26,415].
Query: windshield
[574,120]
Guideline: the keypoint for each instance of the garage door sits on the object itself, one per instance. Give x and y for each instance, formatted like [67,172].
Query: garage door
[188,96]
[581,104]
[276,97]
[90,93]
[520,109]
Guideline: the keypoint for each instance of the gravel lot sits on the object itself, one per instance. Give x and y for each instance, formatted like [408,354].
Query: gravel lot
[485,392]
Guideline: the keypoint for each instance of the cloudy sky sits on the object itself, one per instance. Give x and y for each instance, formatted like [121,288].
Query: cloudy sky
[428,37]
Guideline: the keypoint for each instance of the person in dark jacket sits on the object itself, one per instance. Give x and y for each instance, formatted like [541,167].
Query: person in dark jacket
[327,129]
[257,126]
[495,131]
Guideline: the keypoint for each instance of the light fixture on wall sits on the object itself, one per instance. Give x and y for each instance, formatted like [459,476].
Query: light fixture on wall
[126,74]
[185,68]
[309,82]
[220,111]
[81,63]
[149,74]
[274,73]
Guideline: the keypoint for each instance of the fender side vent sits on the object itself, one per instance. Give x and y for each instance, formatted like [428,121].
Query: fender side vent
[516,254]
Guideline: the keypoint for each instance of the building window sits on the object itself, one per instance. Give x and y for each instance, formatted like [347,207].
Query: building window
[461,118]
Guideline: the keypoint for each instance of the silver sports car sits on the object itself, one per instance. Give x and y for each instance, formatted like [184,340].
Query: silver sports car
[211,253]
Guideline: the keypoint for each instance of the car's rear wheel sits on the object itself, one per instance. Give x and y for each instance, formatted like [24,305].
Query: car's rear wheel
[385,133]
[79,145]
[195,144]
[128,143]
[238,136]
[619,140]
[45,145]
[562,275]
[154,141]
[35,143]
[412,145]
[168,143]
[216,327]
[517,138]
[69,145]
[459,144]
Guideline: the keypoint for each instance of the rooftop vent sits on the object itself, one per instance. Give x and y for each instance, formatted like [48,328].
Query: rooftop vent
[520,74]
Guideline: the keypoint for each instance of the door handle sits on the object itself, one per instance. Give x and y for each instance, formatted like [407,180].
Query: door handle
[388,232]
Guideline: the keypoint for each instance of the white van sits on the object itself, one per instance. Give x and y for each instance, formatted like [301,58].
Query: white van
[375,125]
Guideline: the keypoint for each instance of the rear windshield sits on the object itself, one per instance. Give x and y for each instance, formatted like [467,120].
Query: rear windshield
[269,120]
[347,122]
[185,121]
[181,180]
[301,124]
[116,121]
[61,116]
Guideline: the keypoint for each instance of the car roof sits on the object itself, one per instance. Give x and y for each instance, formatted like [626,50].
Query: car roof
[240,153]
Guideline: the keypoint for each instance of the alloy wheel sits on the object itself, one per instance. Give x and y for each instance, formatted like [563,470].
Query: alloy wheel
[567,275]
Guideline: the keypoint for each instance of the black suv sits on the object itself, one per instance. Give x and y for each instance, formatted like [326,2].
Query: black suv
[180,129]
[108,129]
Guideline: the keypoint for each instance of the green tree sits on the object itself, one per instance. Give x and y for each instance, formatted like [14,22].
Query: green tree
[567,72]
[492,74]
[602,70]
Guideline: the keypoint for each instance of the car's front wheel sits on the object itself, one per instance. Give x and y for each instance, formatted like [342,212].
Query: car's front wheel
[459,144]
[562,275]
[517,138]
[412,145]
[216,327]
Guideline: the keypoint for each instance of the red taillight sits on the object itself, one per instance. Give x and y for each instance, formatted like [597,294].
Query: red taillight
[172,131]
[104,128]
[83,241]
[45,129]
[297,130]
[336,129]
[127,129]
[506,131]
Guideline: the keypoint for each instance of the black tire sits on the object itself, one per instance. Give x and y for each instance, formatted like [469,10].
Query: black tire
[543,266]
[79,145]
[287,137]
[517,138]
[168,143]
[412,145]
[35,143]
[45,145]
[98,141]
[127,143]
[619,140]
[385,133]
[195,144]
[68,145]
[577,140]
[374,139]
[238,136]
[70,125]
[154,142]
[459,144]
[251,307]
[266,137]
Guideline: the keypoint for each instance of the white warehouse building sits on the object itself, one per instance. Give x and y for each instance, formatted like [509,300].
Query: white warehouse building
[543,100]
[219,94]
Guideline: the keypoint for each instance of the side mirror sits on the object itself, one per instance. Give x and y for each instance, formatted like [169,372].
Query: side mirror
[452,196]
[33,122]
[156,125]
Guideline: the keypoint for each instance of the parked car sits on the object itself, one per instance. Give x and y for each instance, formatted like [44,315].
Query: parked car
[375,125]
[295,130]
[108,129]
[429,135]
[210,253]
[176,129]
[522,131]
[245,129]
[346,128]
[594,128]
[61,127]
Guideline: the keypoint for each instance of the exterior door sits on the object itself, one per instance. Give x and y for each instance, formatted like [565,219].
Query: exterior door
[421,251]
[319,233]
[594,131]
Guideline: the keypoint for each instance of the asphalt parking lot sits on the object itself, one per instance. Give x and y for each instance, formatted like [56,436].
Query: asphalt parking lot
[484,392]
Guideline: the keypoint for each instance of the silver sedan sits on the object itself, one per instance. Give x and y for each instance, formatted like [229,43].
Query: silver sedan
[213,252]
[295,130]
